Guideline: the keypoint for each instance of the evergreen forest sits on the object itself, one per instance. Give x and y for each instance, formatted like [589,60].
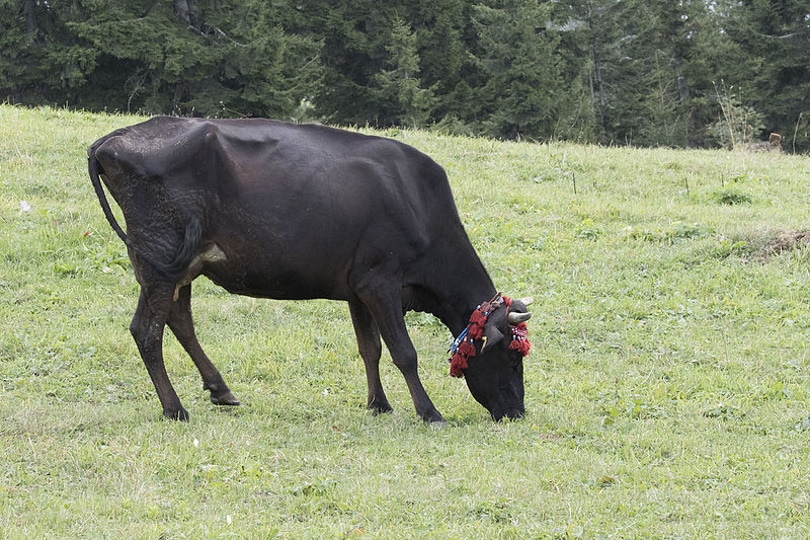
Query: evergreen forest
[679,73]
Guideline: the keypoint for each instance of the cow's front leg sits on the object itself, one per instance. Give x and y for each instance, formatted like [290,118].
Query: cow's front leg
[147,328]
[388,316]
[182,325]
[368,343]
[404,356]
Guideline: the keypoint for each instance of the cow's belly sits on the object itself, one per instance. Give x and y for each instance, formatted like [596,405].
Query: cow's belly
[270,276]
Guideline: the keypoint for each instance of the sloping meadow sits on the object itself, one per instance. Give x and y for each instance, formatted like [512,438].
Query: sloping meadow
[667,389]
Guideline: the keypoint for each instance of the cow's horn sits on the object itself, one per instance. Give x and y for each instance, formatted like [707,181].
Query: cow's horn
[526,301]
[515,318]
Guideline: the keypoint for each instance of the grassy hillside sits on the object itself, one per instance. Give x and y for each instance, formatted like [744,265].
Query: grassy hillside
[667,390]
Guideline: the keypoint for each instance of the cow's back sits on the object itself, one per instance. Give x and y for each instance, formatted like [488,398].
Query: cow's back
[269,155]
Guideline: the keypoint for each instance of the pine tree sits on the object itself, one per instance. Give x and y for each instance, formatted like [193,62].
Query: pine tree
[366,50]
[524,94]
[398,82]
[209,58]
[41,61]
[440,28]
[776,34]
[590,32]
[649,67]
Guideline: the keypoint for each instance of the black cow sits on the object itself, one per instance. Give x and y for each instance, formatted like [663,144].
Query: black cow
[273,210]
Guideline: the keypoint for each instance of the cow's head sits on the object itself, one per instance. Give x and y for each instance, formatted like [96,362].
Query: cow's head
[494,371]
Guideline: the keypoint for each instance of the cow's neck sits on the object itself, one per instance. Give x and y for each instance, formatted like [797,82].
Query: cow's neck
[463,285]
[458,312]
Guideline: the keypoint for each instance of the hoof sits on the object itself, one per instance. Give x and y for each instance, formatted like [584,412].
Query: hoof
[433,417]
[179,415]
[380,408]
[225,399]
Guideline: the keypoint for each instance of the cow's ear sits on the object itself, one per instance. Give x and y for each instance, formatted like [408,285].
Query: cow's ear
[492,336]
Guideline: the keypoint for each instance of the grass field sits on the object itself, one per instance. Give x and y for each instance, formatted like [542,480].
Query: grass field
[667,390]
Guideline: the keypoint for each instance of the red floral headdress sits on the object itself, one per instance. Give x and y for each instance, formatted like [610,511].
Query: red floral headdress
[463,347]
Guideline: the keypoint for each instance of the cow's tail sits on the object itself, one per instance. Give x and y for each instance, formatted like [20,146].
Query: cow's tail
[92,169]
[192,238]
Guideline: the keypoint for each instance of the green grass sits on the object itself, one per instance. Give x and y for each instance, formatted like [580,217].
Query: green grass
[667,388]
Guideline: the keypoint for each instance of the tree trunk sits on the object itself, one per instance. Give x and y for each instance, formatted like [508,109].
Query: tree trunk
[30,16]
[600,87]
[188,11]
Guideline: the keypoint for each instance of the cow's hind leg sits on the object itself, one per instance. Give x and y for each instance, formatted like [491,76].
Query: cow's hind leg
[368,343]
[147,327]
[182,325]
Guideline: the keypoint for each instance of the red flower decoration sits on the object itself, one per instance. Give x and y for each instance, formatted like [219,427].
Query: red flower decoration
[463,347]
